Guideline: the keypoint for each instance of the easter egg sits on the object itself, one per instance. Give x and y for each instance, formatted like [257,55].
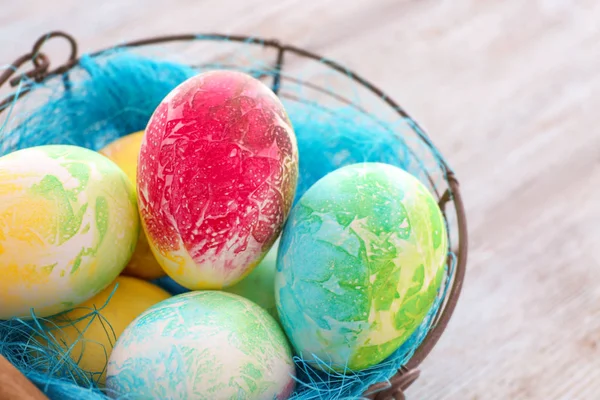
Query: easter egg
[68,226]
[216,178]
[259,286]
[92,335]
[361,260]
[202,344]
[124,152]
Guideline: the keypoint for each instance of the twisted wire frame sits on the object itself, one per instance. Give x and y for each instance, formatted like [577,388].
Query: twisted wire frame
[319,85]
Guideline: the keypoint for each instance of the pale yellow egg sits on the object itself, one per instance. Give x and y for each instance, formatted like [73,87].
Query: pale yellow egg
[92,334]
[124,152]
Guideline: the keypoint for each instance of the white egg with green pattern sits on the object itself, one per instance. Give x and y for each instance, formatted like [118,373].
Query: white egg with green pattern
[204,344]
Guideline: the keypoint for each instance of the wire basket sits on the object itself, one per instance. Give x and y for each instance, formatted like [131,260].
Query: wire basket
[301,79]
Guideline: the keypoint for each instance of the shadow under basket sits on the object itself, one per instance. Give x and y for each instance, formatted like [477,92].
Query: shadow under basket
[339,118]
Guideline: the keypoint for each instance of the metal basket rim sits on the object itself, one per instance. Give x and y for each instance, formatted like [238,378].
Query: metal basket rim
[408,373]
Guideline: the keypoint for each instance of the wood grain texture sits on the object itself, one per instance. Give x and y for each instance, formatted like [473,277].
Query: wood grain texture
[508,91]
[14,386]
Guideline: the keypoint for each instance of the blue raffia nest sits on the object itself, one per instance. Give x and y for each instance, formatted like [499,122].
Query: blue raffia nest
[112,94]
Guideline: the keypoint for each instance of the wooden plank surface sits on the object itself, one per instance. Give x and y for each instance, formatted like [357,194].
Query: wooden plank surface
[509,91]
[14,386]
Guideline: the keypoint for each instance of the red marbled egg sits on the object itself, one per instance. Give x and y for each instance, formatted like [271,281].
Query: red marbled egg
[216,178]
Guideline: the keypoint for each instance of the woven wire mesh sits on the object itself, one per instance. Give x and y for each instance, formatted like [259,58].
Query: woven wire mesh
[311,88]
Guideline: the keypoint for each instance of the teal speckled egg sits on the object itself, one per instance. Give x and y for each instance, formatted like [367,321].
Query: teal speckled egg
[360,263]
[202,345]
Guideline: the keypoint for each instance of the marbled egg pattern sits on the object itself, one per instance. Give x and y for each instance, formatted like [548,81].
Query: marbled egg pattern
[216,178]
[202,345]
[360,263]
[68,227]
[124,152]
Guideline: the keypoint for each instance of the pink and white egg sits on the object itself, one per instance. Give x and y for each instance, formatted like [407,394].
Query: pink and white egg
[216,179]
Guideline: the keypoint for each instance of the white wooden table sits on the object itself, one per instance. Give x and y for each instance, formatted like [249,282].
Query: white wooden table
[510,92]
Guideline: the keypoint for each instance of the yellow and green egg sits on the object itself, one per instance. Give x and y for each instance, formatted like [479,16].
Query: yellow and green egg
[68,227]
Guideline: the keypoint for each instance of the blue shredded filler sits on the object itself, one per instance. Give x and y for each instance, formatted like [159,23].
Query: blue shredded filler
[114,94]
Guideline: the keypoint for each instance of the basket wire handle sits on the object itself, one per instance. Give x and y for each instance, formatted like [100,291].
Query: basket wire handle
[41,64]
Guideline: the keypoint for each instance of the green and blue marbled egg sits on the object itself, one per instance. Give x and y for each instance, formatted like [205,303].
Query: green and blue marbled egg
[360,263]
[202,345]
